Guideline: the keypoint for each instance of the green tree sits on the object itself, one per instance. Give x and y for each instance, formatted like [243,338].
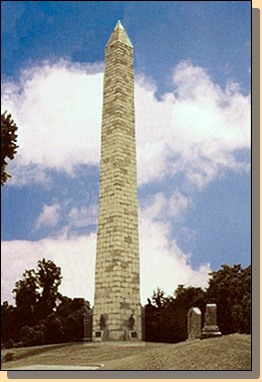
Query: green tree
[8,143]
[36,294]
[166,317]
[9,321]
[185,298]
[26,298]
[42,314]
[54,329]
[31,336]
[49,278]
[230,289]
[159,299]
[76,316]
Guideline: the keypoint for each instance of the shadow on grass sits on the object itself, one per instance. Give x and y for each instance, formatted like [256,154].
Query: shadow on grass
[40,350]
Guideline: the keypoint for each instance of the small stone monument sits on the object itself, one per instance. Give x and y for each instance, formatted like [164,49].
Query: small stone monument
[210,327]
[131,324]
[194,323]
[101,333]
[102,322]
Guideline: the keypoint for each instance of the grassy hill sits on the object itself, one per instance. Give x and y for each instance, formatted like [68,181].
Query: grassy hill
[231,352]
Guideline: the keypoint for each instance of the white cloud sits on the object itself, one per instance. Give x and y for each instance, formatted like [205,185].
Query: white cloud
[177,203]
[57,108]
[195,130]
[163,263]
[75,256]
[24,175]
[49,216]
[160,207]
[83,216]
[72,219]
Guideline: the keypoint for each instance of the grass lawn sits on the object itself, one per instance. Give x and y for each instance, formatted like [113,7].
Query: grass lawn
[231,352]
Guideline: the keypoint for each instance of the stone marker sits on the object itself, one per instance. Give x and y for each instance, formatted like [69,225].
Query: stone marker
[194,323]
[117,288]
[210,328]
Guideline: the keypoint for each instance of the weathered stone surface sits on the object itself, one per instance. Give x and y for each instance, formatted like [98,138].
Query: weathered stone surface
[194,323]
[117,292]
[210,328]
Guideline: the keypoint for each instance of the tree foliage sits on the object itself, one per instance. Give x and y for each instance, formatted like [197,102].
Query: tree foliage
[166,316]
[229,288]
[76,316]
[30,336]
[36,294]
[8,143]
[49,279]
[9,324]
[42,314]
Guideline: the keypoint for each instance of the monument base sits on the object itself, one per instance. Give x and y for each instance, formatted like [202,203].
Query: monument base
[113,335]
[210,331]
[107,335]
[210,335]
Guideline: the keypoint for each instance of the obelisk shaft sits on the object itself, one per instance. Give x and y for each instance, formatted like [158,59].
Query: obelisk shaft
[117,292]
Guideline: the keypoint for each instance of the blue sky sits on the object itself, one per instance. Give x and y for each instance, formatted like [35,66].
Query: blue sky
[192,93]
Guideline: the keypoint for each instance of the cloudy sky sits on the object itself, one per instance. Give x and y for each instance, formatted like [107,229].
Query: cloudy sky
[192,97]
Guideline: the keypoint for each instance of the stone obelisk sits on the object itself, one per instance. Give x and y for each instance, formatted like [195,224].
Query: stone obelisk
[117,309]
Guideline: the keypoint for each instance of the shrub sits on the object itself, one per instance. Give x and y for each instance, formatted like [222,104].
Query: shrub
[29,336]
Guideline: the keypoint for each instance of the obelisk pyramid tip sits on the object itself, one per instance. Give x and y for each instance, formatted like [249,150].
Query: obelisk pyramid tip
[119,25]
[119,34]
